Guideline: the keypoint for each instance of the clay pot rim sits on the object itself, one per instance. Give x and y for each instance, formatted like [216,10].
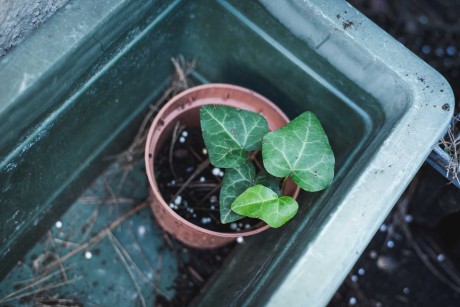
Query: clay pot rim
[149,156]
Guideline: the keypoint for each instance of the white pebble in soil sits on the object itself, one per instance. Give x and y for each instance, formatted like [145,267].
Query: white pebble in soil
[361,272]
[426,49]
[373,254]
[383,228]
[88,255]
[178,200]
[406,291]
[181,139]
[440,257]
[213,207]
[240,240]
[352,301]
[205,220]
[233,226]
[173,182]
[390,244]
[185,133]
[58,224]
[216,171]
[221,174]
[408,218]
[204,151]
[202,179]
[141,231]
[451,50]
[194,214]
[439,52]
[354,278]
[247,226]
[213,199]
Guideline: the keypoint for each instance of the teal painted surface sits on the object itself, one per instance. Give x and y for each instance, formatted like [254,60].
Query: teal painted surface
[98,274]
[58,146]
[366,88]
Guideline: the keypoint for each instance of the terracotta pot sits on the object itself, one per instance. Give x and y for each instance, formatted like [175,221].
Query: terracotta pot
[185,108]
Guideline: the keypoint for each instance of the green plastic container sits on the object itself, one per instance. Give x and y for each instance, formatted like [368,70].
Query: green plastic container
[76,90]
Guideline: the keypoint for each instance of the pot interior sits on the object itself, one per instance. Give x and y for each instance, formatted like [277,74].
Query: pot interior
[101,105]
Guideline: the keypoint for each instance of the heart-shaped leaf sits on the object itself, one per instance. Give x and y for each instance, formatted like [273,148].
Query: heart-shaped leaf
[261,202]
[268,181]
[236,181]
[300,150]
[229,133]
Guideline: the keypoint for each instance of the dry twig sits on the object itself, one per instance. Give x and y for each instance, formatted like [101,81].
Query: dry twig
[95,239]
[128,269]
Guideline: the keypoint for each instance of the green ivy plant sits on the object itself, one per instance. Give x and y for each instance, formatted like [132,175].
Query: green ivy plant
[300,151]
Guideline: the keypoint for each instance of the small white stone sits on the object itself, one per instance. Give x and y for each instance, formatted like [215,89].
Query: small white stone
[213,207]
[173,182]
[213,199]
[221,174]
[216,171]
[408,218]
[233,226]
[202,179]
[178,200]
[247,226]
[181,139]
[354,278]
[185,133]
[204,151]
[383,228]
[451,50]
[240,240]
[352,301]
[58,224]
[426,49]
[171,205]
[406,290]
[141,231]
[88,255]
[440,257]
[203,220]
[373,254]
[390,244]
[194,214]
[361,271]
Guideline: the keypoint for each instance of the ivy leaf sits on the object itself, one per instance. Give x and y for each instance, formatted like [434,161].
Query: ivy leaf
[229,133]
[236,181]
[300,150]
[268,181]
[261,202]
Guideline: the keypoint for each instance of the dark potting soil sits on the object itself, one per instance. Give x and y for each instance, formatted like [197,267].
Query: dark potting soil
[198,202]
[195,269]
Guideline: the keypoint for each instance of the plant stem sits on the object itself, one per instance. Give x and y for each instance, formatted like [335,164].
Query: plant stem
[284,183]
